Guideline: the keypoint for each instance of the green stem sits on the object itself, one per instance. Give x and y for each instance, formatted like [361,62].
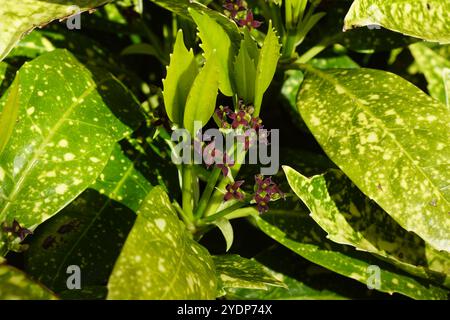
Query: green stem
[289,45]
[217,197]
[187,192]
[224,212]
[206,195]
[184,217]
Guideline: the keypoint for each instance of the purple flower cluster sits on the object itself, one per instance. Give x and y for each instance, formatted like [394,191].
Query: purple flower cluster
[242,118]
[16,230]
[265,190]
[217,157]
[239,12]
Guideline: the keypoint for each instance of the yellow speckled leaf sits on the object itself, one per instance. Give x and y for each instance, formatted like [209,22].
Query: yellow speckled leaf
[17,18]
[425,19]
[160,260]
[391,139]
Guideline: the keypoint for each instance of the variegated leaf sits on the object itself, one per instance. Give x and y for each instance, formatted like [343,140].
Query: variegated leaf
[15,285]
[18,18]
[350,218]
[68,121]
[425,19]
[434,63]
[160,260]
[298,232]
[390,138]
[234,271]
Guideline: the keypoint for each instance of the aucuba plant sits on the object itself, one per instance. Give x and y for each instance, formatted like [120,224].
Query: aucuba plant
[225,149]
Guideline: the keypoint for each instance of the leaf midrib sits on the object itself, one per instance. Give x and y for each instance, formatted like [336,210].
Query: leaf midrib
[18,186]
[379,122]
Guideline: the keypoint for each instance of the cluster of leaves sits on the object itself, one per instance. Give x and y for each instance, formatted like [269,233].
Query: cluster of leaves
[86,176]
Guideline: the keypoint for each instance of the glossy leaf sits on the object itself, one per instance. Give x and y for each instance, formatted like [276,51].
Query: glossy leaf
[19,18]
[352,219]
[8,117]
[425,19]
[267,65]
[390,138]
[14,285]
[69,120]
[435,67]
[91,231]
[181,73]
[226,228]
[244,72]
[160,260]
[234,271]
[201,101]
[121,180]
[215,39]
[297,231]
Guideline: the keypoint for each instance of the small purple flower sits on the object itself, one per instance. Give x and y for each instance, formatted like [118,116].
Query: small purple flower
[256,124]
[249,21]
[262,203]
[234,7]
[17,230]
[262,183]
[234,191]
[265,191]
[211,154]
[239,119]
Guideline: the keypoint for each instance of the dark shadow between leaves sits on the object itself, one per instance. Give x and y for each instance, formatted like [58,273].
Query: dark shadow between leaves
[89,233]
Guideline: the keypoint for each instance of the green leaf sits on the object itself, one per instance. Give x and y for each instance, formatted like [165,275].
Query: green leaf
[181,73]
[180,7]
[144,49]
[7,73]
[390,139]
[14,285]
[267,65]
[20,18]
[8,117]
[366,40]
[91,231]
[227,230]
[352,219]
[245,73]
[233,271]
[160,260]
[215,39]
[68,122]
[121,180]
[298,232]
[333,62]
[425,19]
[201,100]
[435,67]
